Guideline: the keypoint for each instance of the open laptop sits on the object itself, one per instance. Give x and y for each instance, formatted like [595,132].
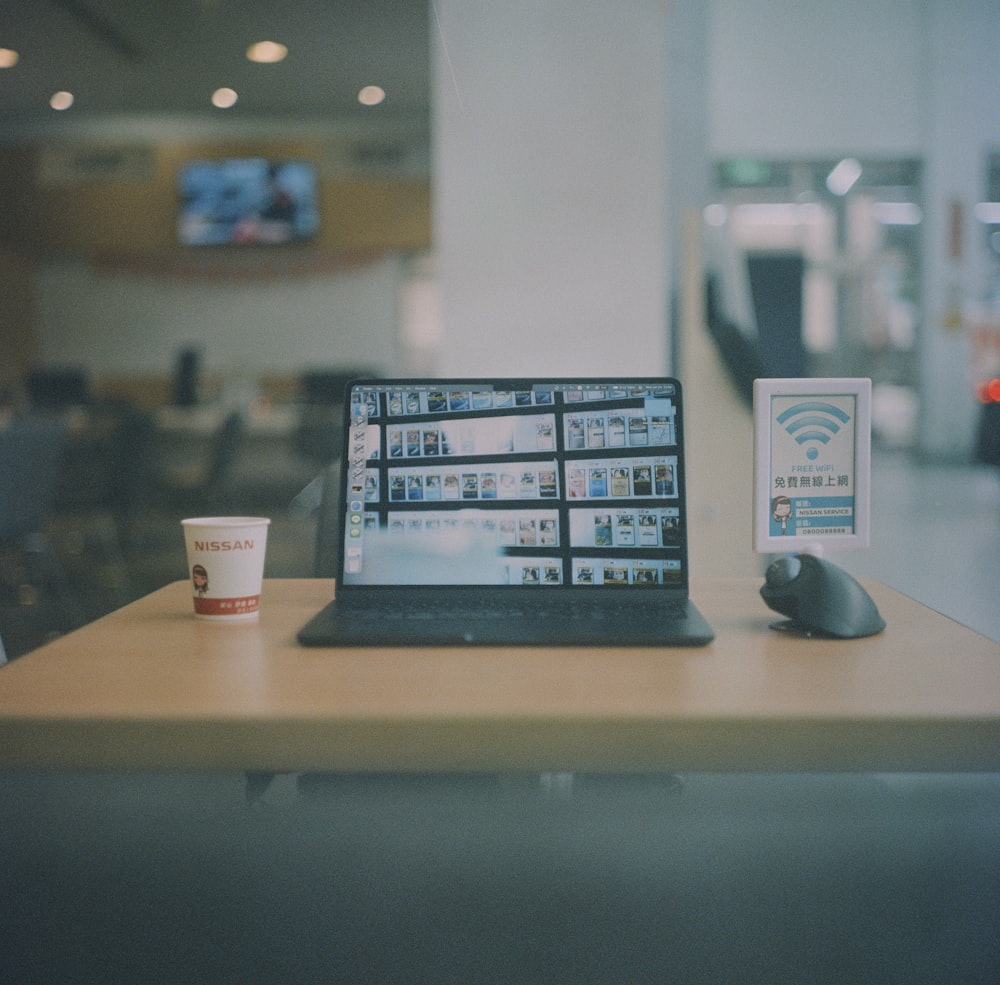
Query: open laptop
[512,511]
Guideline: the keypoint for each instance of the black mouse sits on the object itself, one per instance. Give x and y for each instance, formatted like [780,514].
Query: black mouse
[820,598]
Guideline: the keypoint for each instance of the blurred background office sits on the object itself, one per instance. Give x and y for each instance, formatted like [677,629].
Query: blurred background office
[202,240]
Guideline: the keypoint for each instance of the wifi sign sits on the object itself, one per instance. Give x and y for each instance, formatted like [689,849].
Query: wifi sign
[813,421]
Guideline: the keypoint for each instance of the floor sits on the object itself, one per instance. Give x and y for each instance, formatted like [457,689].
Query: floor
[935,535]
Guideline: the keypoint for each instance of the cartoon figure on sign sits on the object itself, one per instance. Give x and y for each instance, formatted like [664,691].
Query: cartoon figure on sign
[199,577]
[781,510]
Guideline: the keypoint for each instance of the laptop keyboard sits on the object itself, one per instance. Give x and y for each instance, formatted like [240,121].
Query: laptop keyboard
[556,609]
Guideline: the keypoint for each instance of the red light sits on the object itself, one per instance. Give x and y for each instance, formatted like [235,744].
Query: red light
[988,391]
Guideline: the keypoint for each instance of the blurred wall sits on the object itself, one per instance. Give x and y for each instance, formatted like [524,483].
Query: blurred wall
[810,78]
[570,231]
[806,79]
[115,320]
[94,247]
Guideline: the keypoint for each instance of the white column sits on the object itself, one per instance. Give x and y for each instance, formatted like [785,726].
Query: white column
[963,123]
[549,177]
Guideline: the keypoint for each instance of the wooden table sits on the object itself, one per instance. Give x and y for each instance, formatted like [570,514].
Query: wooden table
[149,687]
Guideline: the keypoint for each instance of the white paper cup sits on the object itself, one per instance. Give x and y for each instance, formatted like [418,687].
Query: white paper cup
[226,565]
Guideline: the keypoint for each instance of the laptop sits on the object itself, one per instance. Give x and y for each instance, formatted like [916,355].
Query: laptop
[542,511]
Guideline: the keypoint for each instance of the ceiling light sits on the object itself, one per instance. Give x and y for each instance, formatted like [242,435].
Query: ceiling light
[371,95]
[787,214]
[224,98]
[8,57]
[267,52]
[842,178]
[715,214]
[987,212]
[61,100]
[898,213]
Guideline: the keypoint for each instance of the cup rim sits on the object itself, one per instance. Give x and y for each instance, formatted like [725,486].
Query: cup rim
[225,521]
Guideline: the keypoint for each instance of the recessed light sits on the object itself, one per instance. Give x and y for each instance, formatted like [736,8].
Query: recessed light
[371,95]
[987,212]
[843,177]
[267,52]
[8,57]
[898,213]
[224,98]
[61,100]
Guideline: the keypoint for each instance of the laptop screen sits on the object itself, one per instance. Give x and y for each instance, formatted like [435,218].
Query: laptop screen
[546,483]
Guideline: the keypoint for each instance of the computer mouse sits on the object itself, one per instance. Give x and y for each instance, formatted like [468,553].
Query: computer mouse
[819,598]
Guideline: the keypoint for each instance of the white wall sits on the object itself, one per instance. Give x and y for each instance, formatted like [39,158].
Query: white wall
[808,78]
[549,185]
[119,322]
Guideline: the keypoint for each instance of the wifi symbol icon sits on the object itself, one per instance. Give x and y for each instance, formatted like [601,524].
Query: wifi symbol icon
[813,421]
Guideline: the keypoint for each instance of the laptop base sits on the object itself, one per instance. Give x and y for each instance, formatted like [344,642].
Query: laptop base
[345,625]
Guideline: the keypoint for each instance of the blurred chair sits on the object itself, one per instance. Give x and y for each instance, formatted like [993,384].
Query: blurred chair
[186,382]
[205,485]
[328,532]
[101,492]
[322,393]
[31,452]
[30,457]
[57,389]
[987,448]
[135,440]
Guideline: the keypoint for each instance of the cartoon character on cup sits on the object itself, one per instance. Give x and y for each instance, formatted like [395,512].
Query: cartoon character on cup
[199,577]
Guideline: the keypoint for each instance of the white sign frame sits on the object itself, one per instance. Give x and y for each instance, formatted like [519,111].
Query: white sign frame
[812,465]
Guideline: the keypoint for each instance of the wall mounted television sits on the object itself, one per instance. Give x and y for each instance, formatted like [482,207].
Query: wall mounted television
[246,201]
